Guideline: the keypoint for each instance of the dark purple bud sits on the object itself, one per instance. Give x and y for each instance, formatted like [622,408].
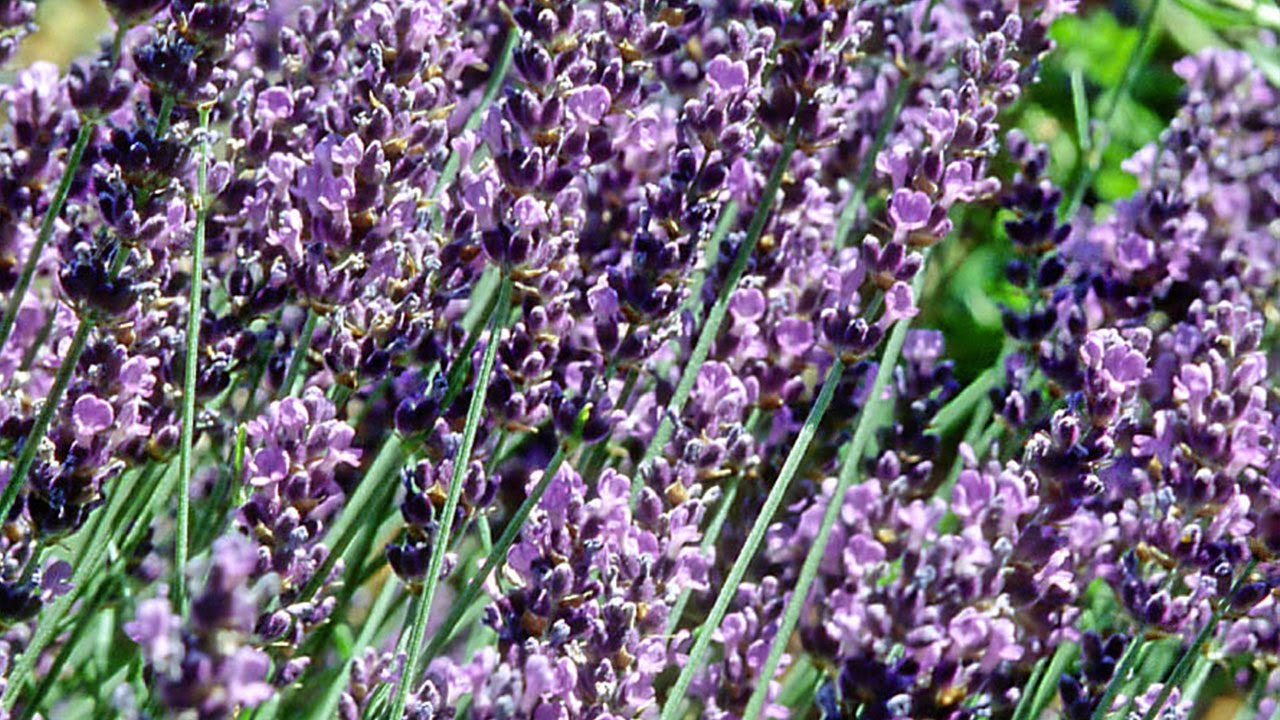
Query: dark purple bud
[97,89]
[19,602]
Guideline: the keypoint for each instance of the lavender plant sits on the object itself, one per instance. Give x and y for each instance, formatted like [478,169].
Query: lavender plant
[553,360]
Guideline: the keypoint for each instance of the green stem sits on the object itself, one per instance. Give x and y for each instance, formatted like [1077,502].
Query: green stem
[491,89]
[422,609]
[671,708]
[456,375]
[849,213]
[1126,664]
[372,494]
[849,472]
[166,115]
[30,444]
[194,307]
[712,326]
[87,611]
[728,218]
[962,404]
[299,358]
[29,357]
[117,41]
[1048,686]
[1031,688]
[1188,657]
[19,292]
[328,705]
[498,553]
[50,621]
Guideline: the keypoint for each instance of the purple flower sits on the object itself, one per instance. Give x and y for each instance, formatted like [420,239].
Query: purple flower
[590,103]
[91,416]
[726,75]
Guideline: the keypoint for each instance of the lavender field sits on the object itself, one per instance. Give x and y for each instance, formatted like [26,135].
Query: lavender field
[639,359]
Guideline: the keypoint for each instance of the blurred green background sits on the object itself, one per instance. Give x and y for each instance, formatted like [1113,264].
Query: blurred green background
[1095,45]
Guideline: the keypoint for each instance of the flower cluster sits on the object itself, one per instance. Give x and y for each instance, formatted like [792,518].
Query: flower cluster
[554,360]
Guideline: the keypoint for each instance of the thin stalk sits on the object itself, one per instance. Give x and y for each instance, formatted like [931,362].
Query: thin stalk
[328,705]
[849,213]
[1199,674]
[485,532]
[848,473]
[960,406]
[671,709]
[47,628]
[372,496]
[30,444]
[117,41]
[498,553]
[456,375]
[1043,695]
[166,115]
[1187,659]
[1148,667]
[718,310]
[1029,690]
[422,610]
[1093,161]
[1080,103]
[373,492]
[29,357]
[299,358]
[194,303]
[140,523]
[728,218]
[19,292]
[88,610]
[1127,661]
[358,575]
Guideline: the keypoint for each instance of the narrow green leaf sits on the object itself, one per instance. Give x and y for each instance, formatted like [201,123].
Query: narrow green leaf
[31,443]
[491,89]
[1080,103]
[1032,687]
[299,358]
[498,553]
[19,291]
[418,629]
[709,539]
[1119,677]
[702,643]
[372,494]
[718,310]
[849,472]
[963,403]
[1146,26]
[328,705]
[194,307]
[849,214]
[127,495]
[1188,657]
[1062,657]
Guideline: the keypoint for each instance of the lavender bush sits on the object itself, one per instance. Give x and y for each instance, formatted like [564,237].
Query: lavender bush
[553,360]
